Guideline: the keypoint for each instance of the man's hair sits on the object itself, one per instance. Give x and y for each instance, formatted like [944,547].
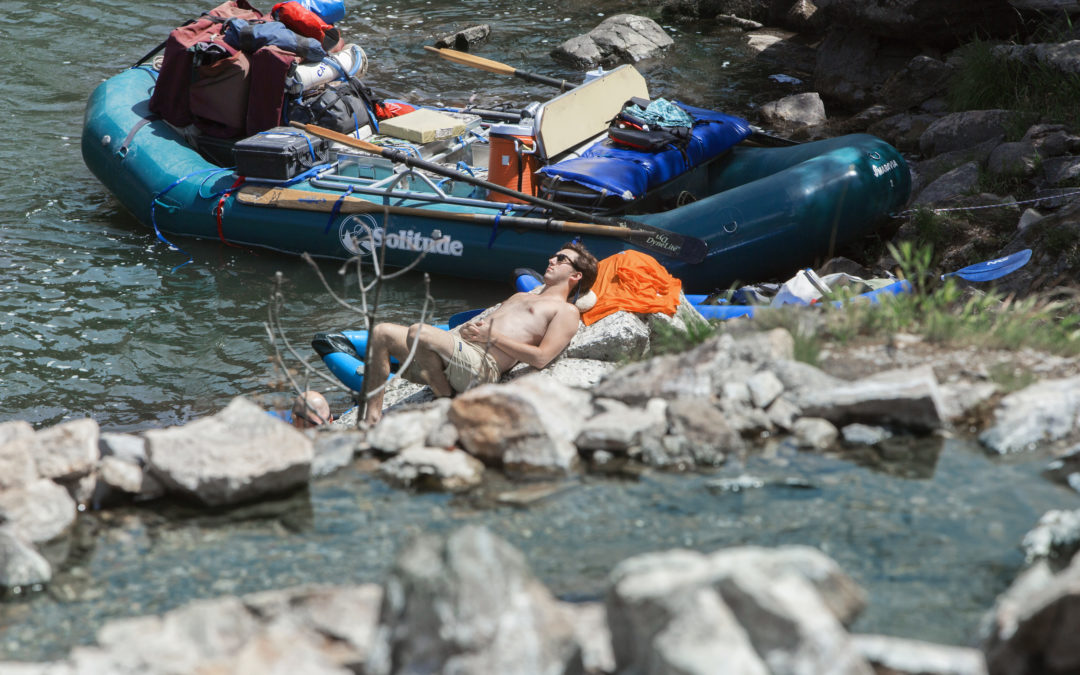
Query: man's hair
[585,263]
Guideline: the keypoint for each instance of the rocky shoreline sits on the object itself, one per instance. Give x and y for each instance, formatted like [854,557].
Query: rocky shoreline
[733,395]
[467,602]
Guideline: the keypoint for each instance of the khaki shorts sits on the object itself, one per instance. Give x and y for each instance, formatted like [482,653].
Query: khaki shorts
[468,366]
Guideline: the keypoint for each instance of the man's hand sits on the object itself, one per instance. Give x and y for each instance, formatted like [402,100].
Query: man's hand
[478,331]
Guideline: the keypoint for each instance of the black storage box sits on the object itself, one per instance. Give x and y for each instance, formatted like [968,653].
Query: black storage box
[279,153]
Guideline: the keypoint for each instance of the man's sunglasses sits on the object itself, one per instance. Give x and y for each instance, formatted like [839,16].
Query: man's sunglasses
[563,258]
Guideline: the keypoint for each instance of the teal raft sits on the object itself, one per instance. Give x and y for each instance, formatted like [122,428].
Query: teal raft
[756,212]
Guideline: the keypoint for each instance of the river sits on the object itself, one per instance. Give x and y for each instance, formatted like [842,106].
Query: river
[98,318]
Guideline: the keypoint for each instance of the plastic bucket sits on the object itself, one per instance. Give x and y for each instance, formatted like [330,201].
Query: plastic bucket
[512,160]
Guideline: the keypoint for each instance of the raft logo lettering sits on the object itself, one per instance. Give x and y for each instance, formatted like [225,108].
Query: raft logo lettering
[885,168]
[361,234]
[661,241]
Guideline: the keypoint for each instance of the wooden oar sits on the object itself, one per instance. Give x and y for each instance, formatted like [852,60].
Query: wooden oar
[498,68]
[305,200]
[668,243]
[756,135]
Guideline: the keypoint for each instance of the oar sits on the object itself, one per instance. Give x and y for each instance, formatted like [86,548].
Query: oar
[498,68]
[303,200]
[993,269]
[756,135]
[657,240]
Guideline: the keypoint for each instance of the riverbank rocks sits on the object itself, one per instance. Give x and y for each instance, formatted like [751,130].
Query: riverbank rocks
[1033,625]
[467,603]
[234,456]
[623,38]
[1044,412]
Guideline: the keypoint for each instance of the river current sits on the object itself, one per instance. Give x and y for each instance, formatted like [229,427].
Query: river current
[98,318]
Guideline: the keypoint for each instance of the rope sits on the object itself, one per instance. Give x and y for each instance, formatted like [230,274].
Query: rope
[153,218]
[909,212]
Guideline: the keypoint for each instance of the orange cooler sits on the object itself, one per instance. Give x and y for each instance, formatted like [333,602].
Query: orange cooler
[512,160]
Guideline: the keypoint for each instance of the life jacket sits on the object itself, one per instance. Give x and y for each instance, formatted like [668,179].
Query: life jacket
[303,21]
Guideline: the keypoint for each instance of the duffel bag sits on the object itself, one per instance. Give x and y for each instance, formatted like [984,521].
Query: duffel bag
[343,106]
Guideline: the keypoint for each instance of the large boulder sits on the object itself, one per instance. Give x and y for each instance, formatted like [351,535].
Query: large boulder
[237,455]
[623,38]
[467,603]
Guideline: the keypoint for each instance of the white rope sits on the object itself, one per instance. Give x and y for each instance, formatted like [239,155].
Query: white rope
[990,206]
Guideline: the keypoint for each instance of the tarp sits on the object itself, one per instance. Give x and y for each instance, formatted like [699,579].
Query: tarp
[633,281]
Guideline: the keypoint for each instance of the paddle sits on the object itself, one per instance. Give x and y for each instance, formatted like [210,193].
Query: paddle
[657,240]
[303,200]
[993,269]
[498,68]
[756,135]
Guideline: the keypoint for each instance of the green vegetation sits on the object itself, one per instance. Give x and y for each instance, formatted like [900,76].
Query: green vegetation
[988,81]
[667,339]
[942,313]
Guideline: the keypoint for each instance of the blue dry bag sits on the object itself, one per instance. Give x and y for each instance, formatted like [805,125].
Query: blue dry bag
[330,11]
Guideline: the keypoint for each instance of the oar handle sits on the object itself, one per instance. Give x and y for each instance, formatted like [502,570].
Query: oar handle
[497,68]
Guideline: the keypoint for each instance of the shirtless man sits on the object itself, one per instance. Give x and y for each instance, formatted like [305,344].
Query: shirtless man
[532,328]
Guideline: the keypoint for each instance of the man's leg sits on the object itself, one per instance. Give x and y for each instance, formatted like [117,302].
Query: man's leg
[388,339]
[432,354]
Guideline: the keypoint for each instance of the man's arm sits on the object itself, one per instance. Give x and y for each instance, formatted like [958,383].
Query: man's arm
[560,330]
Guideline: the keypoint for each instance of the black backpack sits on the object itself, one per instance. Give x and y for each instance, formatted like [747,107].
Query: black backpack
[341,105]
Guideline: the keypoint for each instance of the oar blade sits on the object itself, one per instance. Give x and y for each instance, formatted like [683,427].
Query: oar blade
[670,244]
[993,269]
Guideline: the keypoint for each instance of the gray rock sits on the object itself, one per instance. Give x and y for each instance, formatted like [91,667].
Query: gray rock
[1061,170]
[961,397]
[17,449]
[343,616]
[589,621]
[467,603]
[919,22]
[664,618]
[814,433]
[334,450]
[908,398]
[929,170]
[1014,160]
[527,425]
[433,469]
[237,455]
[783,413]
[1056,538]
[461,40]
[899,656]
[764,388]
[1065,469]
[788,622]
[963,180]
[864,434]
[577,373]
[1033,625]
[1028,218]
[795,111]
[39,512]
[960,130]
[622,38]
[1043,412]
[1052,140]
[903,130]
[698,434]
[851,65]
[1063,57]
[127,477]
[407,427]
[20,563]
[924,77]
[779,47]
[618,337]
[128,447]
[67,451]
[800,379]
[618,427]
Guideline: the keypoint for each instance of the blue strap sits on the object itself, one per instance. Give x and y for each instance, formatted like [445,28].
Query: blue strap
[153,219]
[494,229]
[337,209]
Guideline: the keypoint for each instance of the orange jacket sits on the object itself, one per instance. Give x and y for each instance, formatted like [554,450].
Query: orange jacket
[635,282]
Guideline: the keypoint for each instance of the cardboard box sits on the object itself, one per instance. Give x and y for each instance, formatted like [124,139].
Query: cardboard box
[422,126]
